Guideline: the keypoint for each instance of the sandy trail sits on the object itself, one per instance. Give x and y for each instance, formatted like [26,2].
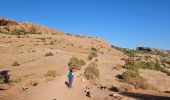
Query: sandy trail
[57,89]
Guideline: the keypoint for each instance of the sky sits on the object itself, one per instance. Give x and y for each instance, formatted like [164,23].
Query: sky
[123,23]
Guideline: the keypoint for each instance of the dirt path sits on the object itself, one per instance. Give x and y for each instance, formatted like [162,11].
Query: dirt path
[58,90]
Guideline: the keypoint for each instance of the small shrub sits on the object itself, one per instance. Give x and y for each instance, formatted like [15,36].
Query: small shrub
[94,49]
[92,55]
[50,75]
[49,54]
[82,62]
[92,71]
[19,32]
[15,63]
[4,77]
[135,65]
[132,65]
[158,67]
[129,73]
[75,63]
[133,78]
[130,52]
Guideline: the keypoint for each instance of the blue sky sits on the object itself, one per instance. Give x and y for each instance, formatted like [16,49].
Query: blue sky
[124,23]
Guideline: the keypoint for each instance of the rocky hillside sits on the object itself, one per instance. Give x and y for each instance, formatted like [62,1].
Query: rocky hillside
[35,61]
[10,26]
[147,68]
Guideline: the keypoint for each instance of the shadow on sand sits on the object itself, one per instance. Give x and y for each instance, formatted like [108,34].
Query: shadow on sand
[67,84]
[141,96]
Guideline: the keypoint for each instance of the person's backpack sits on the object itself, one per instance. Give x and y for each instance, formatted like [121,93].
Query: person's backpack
[70,75]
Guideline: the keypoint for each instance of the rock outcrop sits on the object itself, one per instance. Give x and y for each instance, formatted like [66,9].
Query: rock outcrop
[10,26]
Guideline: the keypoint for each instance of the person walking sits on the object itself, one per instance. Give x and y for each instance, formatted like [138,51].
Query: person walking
[70,78]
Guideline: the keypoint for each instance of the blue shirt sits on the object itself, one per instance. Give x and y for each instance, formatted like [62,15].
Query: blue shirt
[70,75]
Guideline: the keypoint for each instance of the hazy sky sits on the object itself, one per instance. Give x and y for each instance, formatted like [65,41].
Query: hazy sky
[125,23]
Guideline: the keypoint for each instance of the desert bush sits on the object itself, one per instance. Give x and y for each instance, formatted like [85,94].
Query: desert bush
[75,63]
[92,72]
[130,73]
[50,75]
[92,55]
[15,63]
[4,76]
[82,62]
[49,54]
[19,32]
[94,49]
[133,78]
[158,67]
[135,65]
[132,65]
[130,52]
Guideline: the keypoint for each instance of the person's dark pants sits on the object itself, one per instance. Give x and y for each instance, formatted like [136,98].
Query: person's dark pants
[70,82]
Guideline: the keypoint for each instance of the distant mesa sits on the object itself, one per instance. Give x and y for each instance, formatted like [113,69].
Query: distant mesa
[10,26]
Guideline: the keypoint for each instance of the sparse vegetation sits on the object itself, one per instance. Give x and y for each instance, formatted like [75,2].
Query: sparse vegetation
[130,73]
[50,75]
[82,62]
[92,72]
[4,77]
[94,49]
[19,32]
[130,52]
[135,65]
[15,63]
[133,78]
[76,63]
[49,54]
[92,55]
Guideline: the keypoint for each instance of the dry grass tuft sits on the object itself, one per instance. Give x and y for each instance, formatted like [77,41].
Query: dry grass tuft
[92,73]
